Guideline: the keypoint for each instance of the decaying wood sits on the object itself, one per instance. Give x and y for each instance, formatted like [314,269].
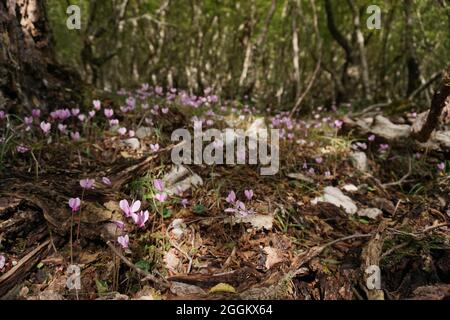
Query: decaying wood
[371,257]
[16,274]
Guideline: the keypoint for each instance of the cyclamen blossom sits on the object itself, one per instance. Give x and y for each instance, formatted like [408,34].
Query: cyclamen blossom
[154,147]
[161,197]
[159,185]
[383,147]
[75,136]
[371,137]
[22,149]
[184,203]
[165,110]
[2,115]
[75,112]
[82,117]
[36,113]
[122,131]
[249,194]
[87,183]
[91,113]
[131,133]
[128,209]
[113,122]
[319,160]
[140,218]
[338,124]
[62,128]
[231,198]
[28,121]
[75,204]
[108,113]
[97,104]
[441,166]
[124,241]
[119,224]
[45,127]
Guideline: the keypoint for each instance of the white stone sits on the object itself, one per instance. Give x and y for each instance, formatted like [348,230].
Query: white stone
[335,196]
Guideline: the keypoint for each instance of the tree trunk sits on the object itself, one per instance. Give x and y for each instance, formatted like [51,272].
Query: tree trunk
[412,63]
[30,77]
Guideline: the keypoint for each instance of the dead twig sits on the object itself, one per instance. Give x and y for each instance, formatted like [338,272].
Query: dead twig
[147,276]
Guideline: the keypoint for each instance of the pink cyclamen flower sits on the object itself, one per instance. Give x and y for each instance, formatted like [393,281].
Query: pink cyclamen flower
[140,218]
[62,128]
[371,137]
[108,113]
[384,147]
[441,166]
[106,181]
[46,127]
[75,112]
[75,204]
[36,113]
[91,113]
[128,209]
[159,185]
[338,124]
[75,136]
[87,183]
[131,133]
[122,131]
[2,115]
[249,194]
[231,198]
[154,147]
[82,117]
[184,203]
[319,160]
[165,110]
[2,261]
[22,149]
[124,241]
[119,224]
[97,104]
[113,122]
[28,121]
[161,197]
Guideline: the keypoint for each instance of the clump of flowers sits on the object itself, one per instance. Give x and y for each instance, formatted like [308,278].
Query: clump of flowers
[238,207]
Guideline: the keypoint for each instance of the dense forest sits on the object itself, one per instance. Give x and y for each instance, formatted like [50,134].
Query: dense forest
[320,159]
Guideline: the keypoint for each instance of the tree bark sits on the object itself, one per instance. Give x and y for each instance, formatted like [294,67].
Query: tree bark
[30,76]
[440,100]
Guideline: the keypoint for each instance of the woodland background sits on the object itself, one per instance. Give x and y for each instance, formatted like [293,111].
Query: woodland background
[273,51]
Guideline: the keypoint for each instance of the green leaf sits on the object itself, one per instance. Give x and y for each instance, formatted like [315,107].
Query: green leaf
[199,209]
[144,265]
[166,213]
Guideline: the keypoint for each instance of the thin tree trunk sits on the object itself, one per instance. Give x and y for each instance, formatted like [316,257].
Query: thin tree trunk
[412,63]
[362,50]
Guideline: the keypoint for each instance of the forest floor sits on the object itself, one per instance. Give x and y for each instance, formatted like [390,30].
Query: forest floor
[216,231]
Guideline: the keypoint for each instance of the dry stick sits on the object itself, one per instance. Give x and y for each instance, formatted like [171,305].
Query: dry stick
[148,276]
[402,179]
